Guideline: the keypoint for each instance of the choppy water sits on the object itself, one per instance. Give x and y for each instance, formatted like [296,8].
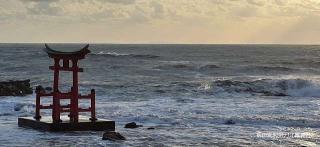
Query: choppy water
[187,92]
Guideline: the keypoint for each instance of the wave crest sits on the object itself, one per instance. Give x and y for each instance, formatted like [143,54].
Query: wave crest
[270,87]
[270,68]
[12,108]
[115,54]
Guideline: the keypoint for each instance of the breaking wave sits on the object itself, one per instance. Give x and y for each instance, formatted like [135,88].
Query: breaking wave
[13,108]
[187,66]
[175,66]
[270,68]
[115,54]
[209,67]
[268,87]
[274,120]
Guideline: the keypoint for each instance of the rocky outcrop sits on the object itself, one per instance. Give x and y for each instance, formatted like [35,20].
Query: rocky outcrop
[150,128]
[41,89]
[132,125]
[113,136]
[15,88]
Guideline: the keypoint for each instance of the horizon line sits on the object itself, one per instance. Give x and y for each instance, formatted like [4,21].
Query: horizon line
[161,43]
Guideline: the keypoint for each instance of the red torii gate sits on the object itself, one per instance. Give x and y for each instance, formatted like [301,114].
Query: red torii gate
[56,122]
[73,107]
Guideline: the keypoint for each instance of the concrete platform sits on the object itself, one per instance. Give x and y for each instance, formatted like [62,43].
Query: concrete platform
[45,124]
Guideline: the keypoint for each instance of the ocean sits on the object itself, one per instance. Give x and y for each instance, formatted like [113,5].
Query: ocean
[188,93]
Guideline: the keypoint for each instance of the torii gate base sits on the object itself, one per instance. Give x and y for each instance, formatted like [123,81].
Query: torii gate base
[73,121]
[84,124]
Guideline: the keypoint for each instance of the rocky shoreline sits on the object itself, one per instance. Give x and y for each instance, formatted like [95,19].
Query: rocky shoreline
[15,88]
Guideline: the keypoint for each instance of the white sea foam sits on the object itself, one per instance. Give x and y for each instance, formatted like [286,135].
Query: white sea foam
[111,53]
[274,87]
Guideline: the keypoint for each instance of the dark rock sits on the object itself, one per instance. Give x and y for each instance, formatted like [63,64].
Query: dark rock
[18,107]
[48,88]
[15,88]
[280,94]
[181,100]
[175,67]
[211,66]
[113,136]
[132,125]
[146,56]
[230,122]
[40,89]
[160,91]
[208,67]
[180,66]
[274,94]
[151,128]
[21,106]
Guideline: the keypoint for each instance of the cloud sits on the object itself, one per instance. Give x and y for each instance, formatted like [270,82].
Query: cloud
[256,2]
[181,20]
[120,1]
[158,9]
[44,8]
[48,1]
[281,2]
[146,10]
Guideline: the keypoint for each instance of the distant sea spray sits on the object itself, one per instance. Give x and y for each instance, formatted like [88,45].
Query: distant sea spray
[115,54]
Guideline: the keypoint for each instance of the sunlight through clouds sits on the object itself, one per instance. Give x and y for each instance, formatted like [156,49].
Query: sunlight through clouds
[161,21]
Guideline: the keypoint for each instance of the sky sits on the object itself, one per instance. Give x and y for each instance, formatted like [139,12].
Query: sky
[161,21]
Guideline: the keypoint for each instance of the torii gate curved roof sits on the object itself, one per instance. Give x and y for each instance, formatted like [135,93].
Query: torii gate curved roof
[80,53]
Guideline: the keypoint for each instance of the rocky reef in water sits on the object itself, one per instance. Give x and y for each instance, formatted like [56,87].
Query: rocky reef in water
[15,88]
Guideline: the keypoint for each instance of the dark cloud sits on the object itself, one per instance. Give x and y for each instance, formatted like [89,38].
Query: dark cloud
[158,9]
[44,8]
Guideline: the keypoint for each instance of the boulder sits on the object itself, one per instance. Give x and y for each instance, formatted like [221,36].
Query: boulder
[280,94]
[113,136]
[40,89]
[160,91]
[274,94]
[48,88]
[132,125]
[230,122]
[15,88]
